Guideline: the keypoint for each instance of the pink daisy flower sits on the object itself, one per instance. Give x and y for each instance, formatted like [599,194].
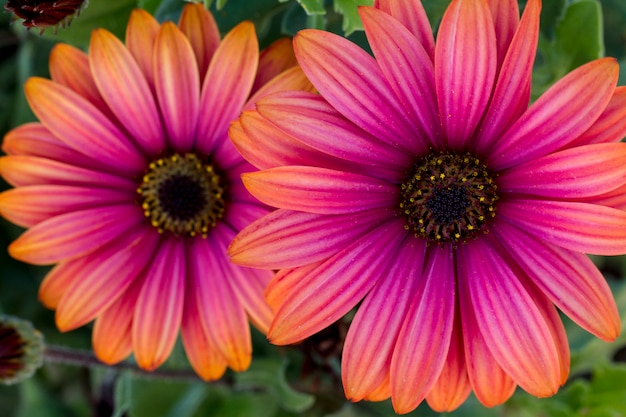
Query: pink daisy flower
[130,185]
[421,187]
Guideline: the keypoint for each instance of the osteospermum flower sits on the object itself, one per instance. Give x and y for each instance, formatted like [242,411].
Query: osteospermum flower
[130,184]
[421,184]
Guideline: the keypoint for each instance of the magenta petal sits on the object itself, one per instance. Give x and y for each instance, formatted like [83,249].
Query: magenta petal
[465,69]
[611,125]
[352,82]
[505,15]
[319,190]
[571,281]
[334,287]
[581,227]
[513,326]
[417,361]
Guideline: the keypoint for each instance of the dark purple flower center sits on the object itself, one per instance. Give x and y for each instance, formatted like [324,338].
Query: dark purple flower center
[182,195]
[448,198]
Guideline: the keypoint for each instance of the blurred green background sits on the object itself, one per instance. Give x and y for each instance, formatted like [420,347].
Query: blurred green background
[287,381]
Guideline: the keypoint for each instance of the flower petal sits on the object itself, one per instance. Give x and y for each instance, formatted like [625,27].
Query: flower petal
[141,32]
[177,84]
[81,125]
[335,286]
[59,279]
[611,125]
[374,330]
[199,26]
[505,14]
[510,322]
[319,190]
[286,238]
[465,68]
[159,310]
[569,279]
[29,205]
[273,60]
[583,171]
[292,79]
[580,227]
[352,82]
[227,84]
[559,116]
[417,362]
[73,234]
[126,91]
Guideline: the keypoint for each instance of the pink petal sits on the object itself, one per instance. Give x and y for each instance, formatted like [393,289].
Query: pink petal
[335,286]
[239,214]
[505,15]
[286,238]
[27,206]
[410,73]
[374,330]
[569,279]
[74,234]
[159,310]
[273,60]
[292,79]
[177,84]
[417,362]
[512,90]
[465,69]
[512,325]
[141,32]
[611,125]
[126,91]
[319,190]
[412,15]
[559,116]
[59,279]
[352,82]
[199,26]
[227,84]
[110,270]
[580,227]
[584,171]
[81,125]
[221,314]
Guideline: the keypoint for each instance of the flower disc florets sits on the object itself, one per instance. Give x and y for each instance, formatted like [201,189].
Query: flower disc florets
[182,195]
[448,197]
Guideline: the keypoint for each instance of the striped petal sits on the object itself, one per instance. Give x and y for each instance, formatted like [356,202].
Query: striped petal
[292,79]
[59,279]
[177,84]
[273,60]
[319,190]
[611,125]
[580,227]
[417,362]
[374,330]
[73,234]
[141,32]
[465,69]
[505,14]
[126,91]
[159,310]
[199,26]
[224,92]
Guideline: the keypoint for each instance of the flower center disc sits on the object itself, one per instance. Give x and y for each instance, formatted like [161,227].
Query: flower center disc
[449,198]
[182,195]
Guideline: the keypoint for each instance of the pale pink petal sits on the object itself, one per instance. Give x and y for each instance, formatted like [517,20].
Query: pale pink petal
[126,91]
[559,116]
[74,234]
[580,227]
[159,310]
[417,362]
[227,84]
[505,14]
[141,32]
[81,125]
[110,270]
[569,279]
[221,315]
[512,325]
[411,14]
[465,69]
[583,171]
[512,90]
[352,82]
[410,73]
[286,238]
[199,26]
[29,205]
[319,190]
[177,84]
[374,330]
[335,286]
[611,125]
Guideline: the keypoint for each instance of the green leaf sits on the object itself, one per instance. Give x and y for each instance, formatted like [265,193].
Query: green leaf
[270,373]
[150,6]
[349,10]
[608,388]
[311,6]
[123,394]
